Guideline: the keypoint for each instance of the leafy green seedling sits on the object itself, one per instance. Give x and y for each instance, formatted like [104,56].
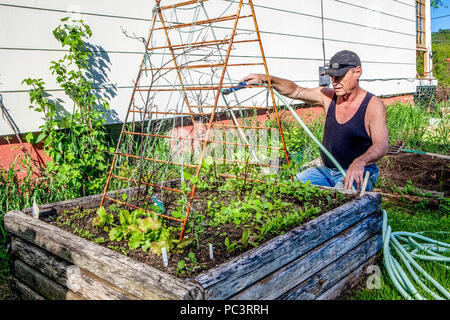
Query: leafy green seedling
[231,246]
[103,218]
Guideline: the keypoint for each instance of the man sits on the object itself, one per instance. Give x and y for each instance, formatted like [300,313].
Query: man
[355,127]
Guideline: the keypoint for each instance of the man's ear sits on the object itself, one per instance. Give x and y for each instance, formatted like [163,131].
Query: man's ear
[357,71]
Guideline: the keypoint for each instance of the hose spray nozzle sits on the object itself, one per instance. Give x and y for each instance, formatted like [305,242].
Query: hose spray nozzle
[232,89]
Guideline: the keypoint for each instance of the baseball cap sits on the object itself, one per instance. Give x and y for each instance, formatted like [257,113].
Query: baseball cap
[341,62]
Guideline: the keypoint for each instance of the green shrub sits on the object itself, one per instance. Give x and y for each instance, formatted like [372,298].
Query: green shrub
[76,142]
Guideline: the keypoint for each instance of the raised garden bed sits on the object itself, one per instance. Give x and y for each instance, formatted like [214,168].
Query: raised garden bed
[320,259]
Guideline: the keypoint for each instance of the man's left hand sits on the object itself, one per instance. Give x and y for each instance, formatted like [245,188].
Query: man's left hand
[355,173]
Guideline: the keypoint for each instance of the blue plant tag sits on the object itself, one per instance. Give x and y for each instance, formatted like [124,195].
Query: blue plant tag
[158,203]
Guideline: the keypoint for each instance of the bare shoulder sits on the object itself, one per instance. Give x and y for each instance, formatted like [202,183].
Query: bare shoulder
[376,124]
[327,96]
[376,107]
[327,92]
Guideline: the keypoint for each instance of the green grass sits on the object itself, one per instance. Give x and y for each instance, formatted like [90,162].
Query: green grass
[411,125]
[5,273]
[16,196]
[411,218]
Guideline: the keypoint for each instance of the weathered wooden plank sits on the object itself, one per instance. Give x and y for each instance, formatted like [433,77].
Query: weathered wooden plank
[24,291]
[348,283]
[44,286]
[134,277]
[277,283]
[69,275]
[324,279]
[240,272]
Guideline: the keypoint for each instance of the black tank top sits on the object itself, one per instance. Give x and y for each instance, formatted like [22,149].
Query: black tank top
[345,141]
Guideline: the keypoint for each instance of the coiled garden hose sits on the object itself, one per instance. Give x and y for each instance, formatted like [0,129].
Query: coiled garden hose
[398,276]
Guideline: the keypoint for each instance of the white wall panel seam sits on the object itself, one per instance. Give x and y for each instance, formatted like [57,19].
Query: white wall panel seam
[377,11]
[265,7]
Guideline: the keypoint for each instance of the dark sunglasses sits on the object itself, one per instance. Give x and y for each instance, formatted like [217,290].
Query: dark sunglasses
[337,65]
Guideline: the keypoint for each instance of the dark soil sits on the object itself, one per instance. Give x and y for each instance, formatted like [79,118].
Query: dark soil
[79,222]
[423,171]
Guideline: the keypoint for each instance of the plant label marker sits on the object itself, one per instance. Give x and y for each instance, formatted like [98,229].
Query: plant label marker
[364,186]
[211,255]
[164,255]
[35,209]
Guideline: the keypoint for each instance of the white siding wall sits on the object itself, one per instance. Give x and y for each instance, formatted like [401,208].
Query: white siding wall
[382,33]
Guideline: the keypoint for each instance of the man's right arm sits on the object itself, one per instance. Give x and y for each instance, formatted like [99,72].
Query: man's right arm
[313,96]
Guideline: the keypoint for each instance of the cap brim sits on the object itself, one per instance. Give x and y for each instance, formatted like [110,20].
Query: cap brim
[337,72]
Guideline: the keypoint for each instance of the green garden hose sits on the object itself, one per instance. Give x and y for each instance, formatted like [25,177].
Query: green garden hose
[398,276]
[299,120]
